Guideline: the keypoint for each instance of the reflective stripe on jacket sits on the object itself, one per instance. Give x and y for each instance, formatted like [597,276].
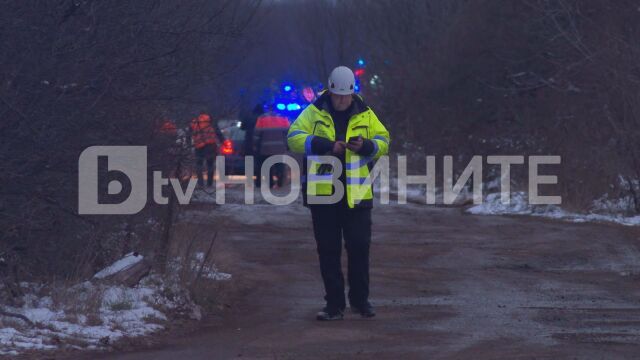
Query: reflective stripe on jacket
[313,122]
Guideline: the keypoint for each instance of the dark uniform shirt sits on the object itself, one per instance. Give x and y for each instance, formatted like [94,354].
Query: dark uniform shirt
[340,122]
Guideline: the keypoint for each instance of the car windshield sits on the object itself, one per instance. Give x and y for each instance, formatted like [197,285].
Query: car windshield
[236,133]
[231,130]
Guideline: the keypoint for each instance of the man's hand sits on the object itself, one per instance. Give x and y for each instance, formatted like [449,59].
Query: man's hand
[338,147]
[356,144]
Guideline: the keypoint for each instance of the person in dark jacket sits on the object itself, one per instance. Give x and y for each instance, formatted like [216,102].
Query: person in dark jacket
[248,124]
[271,141]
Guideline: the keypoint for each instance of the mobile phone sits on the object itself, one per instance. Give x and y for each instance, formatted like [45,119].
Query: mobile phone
[354,139]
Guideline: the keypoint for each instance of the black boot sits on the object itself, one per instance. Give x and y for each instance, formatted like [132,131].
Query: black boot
[365,310]
[210,178]
[329,314]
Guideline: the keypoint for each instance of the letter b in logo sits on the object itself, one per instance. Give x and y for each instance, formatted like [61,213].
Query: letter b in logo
[130,161]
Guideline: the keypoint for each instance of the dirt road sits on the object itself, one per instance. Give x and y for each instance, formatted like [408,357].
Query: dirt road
[445,285]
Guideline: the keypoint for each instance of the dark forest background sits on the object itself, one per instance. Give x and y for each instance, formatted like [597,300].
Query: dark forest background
[453,77]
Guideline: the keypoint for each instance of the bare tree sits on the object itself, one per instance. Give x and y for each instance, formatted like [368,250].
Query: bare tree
[81,73]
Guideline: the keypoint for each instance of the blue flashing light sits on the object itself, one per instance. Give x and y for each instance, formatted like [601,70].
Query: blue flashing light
[287,88]
[360,62]
[280,106]
[293,107]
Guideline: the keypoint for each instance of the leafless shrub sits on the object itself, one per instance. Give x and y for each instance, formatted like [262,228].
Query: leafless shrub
[82,73]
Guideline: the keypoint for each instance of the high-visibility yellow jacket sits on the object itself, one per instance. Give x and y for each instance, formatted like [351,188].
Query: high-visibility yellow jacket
[314,127]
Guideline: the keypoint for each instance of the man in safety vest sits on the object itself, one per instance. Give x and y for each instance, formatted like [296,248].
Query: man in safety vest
[340,124]
[205,137]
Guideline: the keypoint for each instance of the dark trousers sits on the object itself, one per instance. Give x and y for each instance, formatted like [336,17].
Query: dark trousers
[206,153]
[330,224]
[277,170]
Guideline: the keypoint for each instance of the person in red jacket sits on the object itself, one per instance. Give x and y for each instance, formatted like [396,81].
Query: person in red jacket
[205,137]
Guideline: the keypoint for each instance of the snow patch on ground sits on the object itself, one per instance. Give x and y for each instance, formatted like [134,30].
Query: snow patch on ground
[607,205]
[93,315]
[209,271]
[417,193]
[259,213]
[127,261]
[604,210]
[121,312]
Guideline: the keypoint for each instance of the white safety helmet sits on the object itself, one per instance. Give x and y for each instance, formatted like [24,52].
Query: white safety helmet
[342,81]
